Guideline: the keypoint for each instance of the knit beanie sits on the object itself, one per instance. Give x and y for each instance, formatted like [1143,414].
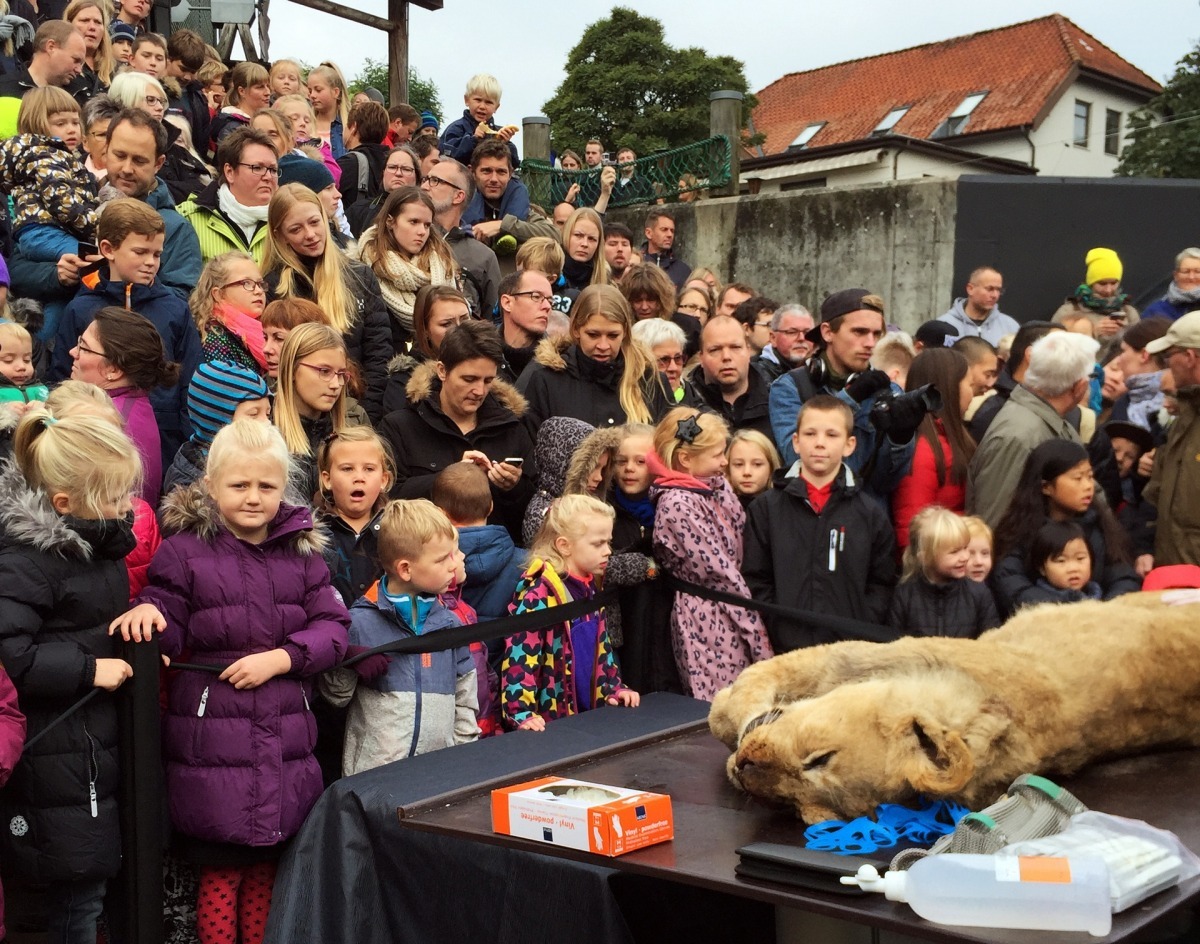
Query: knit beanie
[119,31]
[299,169]
[429,120]
[1102,264]
[215,390]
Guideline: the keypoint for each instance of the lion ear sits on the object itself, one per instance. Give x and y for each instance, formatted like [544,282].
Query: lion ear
[939,763]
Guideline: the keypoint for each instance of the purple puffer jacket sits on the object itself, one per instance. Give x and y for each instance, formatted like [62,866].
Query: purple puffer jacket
[142,427]
[240,767]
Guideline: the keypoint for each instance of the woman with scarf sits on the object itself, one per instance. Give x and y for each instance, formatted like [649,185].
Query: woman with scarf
[405,252]
[1099,297]
[583,240]
[227,304]
[1183,295]
[1143,397]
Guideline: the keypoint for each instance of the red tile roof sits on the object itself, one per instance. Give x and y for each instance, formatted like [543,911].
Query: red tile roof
[1020,66]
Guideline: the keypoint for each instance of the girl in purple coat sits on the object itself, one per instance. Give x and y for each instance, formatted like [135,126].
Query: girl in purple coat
[240,583]
[698,524]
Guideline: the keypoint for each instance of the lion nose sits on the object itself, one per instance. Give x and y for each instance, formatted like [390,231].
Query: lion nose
[743,763]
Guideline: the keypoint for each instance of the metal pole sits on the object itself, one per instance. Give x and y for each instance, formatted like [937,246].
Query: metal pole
[725,117]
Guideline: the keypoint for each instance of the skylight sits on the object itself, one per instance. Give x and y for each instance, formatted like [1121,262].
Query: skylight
[889,120]
[807,134]
[957,122]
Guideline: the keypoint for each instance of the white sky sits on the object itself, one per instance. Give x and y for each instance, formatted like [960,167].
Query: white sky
[525,43]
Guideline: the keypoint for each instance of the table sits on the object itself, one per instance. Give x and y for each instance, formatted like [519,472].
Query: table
[442,870]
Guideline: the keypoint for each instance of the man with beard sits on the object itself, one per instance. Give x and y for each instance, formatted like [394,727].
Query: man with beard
[500,206]
[618,248]
[451,188]
[788,346]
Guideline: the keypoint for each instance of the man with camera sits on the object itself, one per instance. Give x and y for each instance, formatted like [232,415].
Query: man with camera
[885,419]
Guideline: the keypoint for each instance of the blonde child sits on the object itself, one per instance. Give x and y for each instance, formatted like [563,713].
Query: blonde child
[542,254]
[355,469]
[698,526]
[753,460]
[76,398]
[54,196]
[540,669]
[240,584]
[979,548]
[482,99]
[285,78]
[18,385]
[326,87]
[66,525]
[404,705]
[935,596]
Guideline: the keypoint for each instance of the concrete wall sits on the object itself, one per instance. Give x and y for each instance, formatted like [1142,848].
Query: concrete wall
[896,239]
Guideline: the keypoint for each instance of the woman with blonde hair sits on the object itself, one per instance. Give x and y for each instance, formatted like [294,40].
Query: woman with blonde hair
[406,252]
[249,91]
[226,305]
[90,17]
[583,242]
[595,372]
[331,104]
[302,261]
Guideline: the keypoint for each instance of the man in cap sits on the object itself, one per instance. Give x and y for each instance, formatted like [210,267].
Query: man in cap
[852,322]
[1174,487]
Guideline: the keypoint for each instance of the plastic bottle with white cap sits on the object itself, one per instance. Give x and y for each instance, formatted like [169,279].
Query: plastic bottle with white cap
[1040,893]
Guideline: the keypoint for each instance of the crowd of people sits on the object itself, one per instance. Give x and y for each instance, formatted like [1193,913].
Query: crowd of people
[286,376]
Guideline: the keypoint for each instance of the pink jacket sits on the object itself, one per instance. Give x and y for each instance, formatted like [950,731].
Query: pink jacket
[12,740]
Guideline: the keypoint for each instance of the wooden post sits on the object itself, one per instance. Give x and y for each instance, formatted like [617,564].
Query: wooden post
[725,117]
[398,52]
[535,138]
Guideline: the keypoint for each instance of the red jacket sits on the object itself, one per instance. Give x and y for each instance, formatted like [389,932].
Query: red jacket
[920,489]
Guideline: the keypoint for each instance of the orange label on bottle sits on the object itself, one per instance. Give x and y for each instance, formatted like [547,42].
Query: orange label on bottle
[1044,869]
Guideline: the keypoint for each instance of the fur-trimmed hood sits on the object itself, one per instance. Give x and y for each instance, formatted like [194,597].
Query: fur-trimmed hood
[550,352]
[190,509]
[28,518]
[567,452]
[424,383]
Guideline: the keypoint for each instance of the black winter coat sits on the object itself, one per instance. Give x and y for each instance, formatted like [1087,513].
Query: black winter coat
[562,381]
[750,411]
[62,581]
[961,608]
[1014,588]
[424,441]
[369,341]
[840,561]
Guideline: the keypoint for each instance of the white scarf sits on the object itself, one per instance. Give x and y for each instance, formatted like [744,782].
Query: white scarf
[399,279]
[247,218]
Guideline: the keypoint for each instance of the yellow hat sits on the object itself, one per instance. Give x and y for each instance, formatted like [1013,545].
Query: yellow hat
[1102,264]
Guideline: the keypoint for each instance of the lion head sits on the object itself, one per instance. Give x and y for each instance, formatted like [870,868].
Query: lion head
[882,740]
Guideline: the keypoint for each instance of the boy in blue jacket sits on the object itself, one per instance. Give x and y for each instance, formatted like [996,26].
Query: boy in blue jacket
[418,703]
[462,136]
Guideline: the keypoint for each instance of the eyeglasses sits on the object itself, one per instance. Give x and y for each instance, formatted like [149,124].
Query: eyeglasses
[248,285]
[437,181]
[762,324]
[792,332]
[83,348]
[156,100]
[402,169]
[668,359]
[695,309]
[536,297]
[261,170]
[327,373]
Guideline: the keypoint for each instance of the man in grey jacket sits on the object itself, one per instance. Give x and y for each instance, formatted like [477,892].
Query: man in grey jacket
[1060,368]
[450,187]
[979,314]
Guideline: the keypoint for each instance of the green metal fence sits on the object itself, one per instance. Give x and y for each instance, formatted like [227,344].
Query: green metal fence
[665,175]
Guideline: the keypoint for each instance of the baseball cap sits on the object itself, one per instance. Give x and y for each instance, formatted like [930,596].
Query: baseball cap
[1185,332]
[936,334]
[838,304]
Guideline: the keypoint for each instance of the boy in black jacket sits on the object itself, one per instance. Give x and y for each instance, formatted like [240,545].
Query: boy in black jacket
[816,541]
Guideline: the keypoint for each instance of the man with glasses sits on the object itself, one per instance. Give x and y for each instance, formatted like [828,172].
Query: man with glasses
[1174,487]
[365,158]
[979,314]
[450,188]
[230,214]
[788,346]
[524,312]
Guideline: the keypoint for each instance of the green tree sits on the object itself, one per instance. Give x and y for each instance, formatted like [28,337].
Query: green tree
[626,86]
[422,93]
[1165,135]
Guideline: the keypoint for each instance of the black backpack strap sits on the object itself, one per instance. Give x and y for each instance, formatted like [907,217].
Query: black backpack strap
[804,385]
